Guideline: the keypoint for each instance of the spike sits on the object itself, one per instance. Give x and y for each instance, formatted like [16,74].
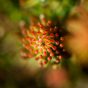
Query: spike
[57,61]
[56,34]
[40,25]
[51,35]
[49,22]
[57,52]
[62,38]
[36,52]
[57,42]
[37,58]
[45,53]
[54,47]
[44,62]
[60,57]
[49,58]
[61,45]
[51,54]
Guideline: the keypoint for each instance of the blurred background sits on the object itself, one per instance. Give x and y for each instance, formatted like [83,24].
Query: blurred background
[16,72]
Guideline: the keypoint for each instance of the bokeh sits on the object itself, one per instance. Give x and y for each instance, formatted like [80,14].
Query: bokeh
[18,72]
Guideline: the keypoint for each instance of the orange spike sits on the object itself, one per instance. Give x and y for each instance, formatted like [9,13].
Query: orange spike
[54,47]
[49,58]
[61,45]
[27,46]
[49,22]
[36,51]
[45,32]
[51,54]
[40,25]
[37,58]
[45,62]
[49,50]
[57,42]
[40,56]
[57,61]
[56,34]
[62,38]
[51,35]
[52,41]
[45,53]
[60,57]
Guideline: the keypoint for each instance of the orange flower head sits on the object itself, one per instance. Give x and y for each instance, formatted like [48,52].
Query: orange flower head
[44,42]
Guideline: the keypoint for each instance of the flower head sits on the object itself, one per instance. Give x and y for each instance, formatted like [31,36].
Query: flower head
[44,42]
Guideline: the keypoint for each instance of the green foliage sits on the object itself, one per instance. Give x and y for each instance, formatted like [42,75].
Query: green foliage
[50,8]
